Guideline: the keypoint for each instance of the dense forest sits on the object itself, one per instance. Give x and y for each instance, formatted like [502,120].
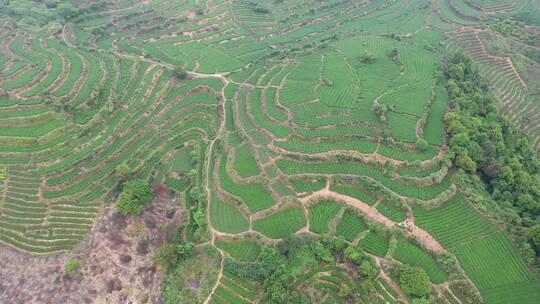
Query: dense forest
[485,143]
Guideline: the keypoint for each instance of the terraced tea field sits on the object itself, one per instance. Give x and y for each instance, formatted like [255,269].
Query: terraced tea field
[264,121]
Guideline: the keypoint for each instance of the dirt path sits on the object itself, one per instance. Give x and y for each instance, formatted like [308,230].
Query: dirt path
[375,156]
[220,274]
[209,174]
[65,37]
[421,235]
[371,212]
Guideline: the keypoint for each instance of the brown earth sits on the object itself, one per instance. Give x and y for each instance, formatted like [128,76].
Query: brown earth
[116,262]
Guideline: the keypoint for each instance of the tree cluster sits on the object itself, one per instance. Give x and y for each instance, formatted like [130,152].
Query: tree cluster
[278,267]
[136,194]
[169,254]
[414,281]
[483,142]
[380,110]
[394,54]
[517,29]
[368,58]
[47,12]
[68,11]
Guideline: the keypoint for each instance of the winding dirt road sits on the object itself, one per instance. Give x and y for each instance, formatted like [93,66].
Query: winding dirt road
[420,234]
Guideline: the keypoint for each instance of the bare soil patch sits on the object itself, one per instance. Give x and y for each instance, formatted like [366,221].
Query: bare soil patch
[116,262]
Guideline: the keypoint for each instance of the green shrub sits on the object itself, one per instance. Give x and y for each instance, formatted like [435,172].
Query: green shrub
[135,195]
[71,266]
[165,256]
[414,281]
[122,171]
[168,254]
[368,58]
[179,73]
[421,144]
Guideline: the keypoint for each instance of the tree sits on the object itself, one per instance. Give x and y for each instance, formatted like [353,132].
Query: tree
[165,256]
[51,3]
[322,253]
[354,254]
[368,270]
[200,217]
[122,171]
[369,287]
[344,291]
[394,54]
[534,233]
[184,250]
[261,10]
[67,11]
[421,144]
[298,298]
[276,271]
[136,194]
[71,266]
[414,281]
[456,71]
[168,254]
[194,193]
[466,163]
[380,109]
[368,58]
[98,31]
[179,73]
